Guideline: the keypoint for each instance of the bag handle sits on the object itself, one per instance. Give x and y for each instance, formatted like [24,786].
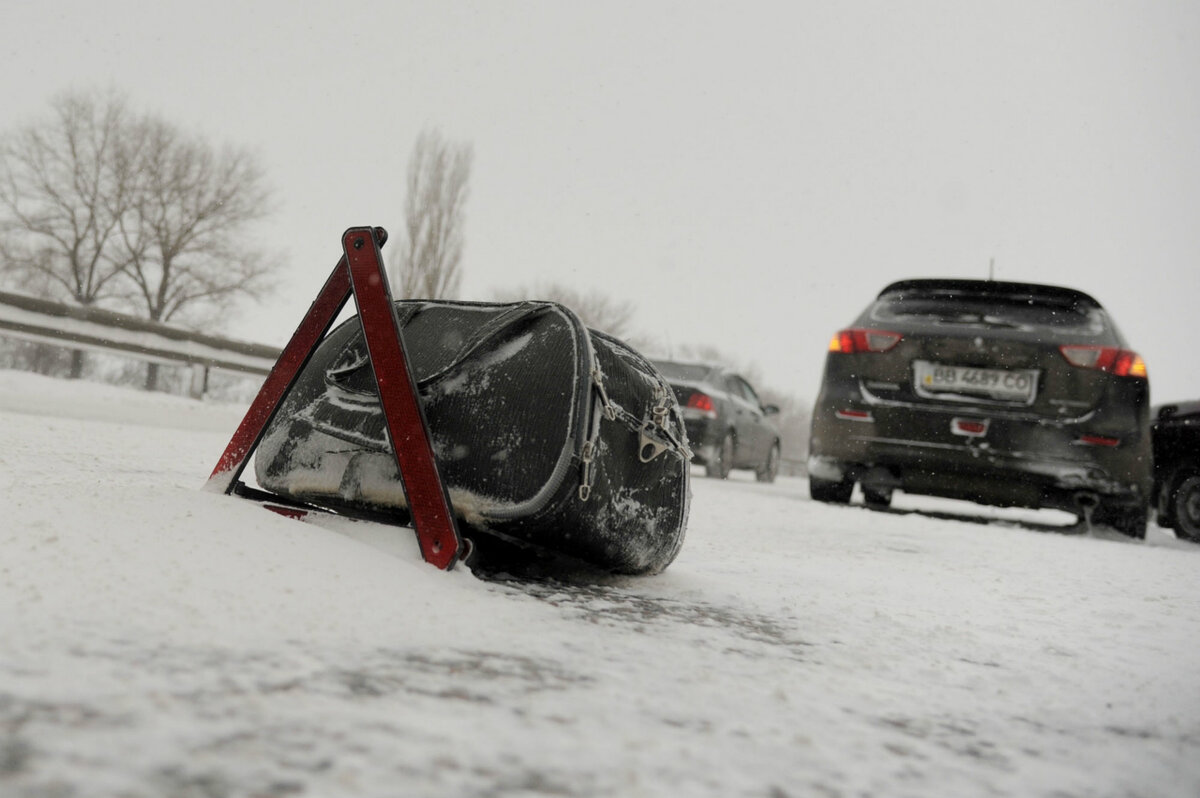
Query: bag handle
[508,317]
[405,313]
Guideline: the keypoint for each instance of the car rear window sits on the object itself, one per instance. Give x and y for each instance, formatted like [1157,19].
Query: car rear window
[989,311]
[683,371]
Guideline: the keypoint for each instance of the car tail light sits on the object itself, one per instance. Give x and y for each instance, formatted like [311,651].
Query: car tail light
[1120,362]
[969,427]
[850,414]
[702,403]
[1099,440]
[860,340]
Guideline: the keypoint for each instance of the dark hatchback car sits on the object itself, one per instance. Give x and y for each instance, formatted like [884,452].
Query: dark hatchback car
[1007,394]
[728,426]
[1176,434]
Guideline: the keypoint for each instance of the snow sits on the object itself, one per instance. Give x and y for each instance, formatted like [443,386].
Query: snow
[156,639]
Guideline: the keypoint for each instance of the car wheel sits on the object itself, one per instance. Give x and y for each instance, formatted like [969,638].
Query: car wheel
[877,498]
[1185,506]
[1127,520]
[722,464]
[831,491]
[770,469]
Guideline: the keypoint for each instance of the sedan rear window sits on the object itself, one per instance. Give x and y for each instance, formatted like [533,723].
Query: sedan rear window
[683,371]
[991,311]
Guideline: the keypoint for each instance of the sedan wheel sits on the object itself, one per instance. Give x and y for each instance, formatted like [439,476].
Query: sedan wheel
[770,469]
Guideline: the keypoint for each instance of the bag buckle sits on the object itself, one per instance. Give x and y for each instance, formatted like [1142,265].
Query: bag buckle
[650,445]
[586,477]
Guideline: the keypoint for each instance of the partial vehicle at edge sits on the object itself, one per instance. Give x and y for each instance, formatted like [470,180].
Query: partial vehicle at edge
[1176,435]
[1008,394]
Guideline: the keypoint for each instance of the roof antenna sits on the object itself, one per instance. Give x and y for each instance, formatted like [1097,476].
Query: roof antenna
[991,270]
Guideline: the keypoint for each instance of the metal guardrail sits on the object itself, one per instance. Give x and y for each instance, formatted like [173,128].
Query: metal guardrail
[78,327]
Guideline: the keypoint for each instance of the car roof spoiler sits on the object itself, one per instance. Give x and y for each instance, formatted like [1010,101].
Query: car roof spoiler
[993,288]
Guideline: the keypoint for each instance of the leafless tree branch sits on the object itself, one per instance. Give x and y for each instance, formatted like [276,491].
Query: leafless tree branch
[438,185]
[596,310]
[62,193]
[98,203]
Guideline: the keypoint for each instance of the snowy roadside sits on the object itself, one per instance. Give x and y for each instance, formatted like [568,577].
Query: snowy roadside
[158,640]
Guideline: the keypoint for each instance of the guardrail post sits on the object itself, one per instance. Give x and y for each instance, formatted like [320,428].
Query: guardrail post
[198,386]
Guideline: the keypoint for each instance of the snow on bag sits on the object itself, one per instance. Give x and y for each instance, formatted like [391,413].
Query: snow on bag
[546,434]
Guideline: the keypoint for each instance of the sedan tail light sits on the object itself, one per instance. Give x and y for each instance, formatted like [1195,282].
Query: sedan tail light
[1121,362]
[860,340]
[702,404]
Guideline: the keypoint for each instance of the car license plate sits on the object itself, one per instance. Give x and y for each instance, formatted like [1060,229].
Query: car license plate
[1016,385]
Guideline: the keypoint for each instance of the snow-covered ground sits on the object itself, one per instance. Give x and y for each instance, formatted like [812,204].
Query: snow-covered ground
[158,640]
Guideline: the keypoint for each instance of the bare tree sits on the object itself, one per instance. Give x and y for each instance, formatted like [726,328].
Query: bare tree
[438,177]
[63,190]
[596,310]
[708,353]
[181,239]
[98,203]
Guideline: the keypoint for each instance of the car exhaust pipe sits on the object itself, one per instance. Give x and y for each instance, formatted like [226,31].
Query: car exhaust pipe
[1087,502]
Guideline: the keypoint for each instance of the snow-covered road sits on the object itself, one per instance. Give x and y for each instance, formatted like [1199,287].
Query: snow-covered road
[157,640]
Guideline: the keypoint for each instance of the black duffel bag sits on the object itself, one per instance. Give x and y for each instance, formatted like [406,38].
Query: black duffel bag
[547,434]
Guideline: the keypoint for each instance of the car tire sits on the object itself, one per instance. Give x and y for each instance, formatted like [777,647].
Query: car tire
[830,491]
[770,468]
[1185,507]
[1129,521]
[722,463]
[877,499]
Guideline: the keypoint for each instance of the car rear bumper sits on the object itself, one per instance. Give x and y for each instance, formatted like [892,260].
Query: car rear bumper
[988,459]
[703,438]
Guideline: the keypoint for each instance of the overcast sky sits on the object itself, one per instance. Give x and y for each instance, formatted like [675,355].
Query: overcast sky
[748,175]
